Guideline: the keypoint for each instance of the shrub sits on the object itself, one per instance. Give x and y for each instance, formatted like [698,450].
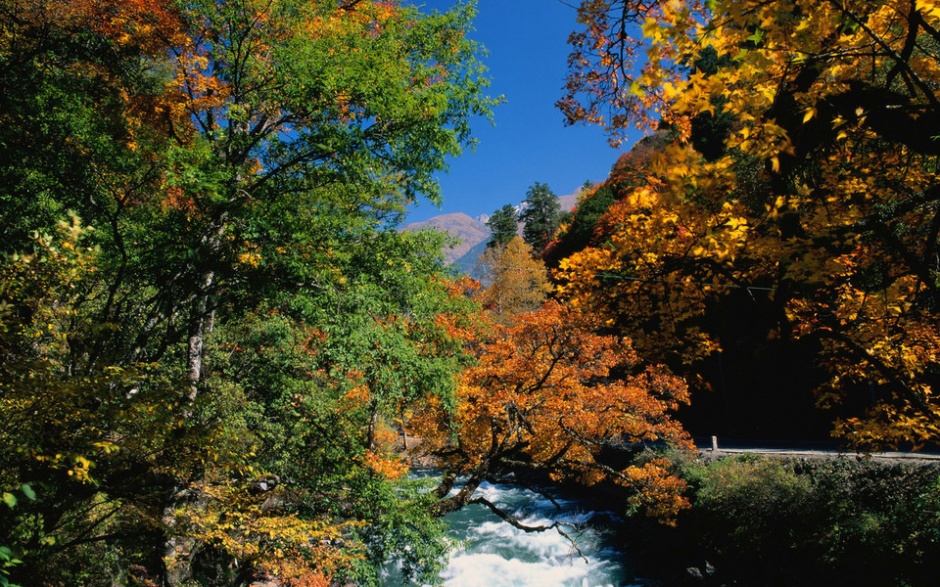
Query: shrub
[769,521]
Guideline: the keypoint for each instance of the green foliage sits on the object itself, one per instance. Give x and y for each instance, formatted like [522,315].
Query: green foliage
[581,224]
[405,534]
[504,225]
[8,558]
[751,502]
[540,215]
[201,287]
[766,521]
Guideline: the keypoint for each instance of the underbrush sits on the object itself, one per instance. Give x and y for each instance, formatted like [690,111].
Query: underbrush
[761,521]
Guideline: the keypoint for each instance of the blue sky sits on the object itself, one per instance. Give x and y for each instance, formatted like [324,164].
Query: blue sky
[527,45]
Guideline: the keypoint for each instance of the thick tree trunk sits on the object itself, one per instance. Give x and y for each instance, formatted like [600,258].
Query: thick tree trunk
[460,499]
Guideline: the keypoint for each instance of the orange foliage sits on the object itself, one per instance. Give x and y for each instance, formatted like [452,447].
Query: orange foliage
[660,493]
[149,26]
[548,393]
[390,467]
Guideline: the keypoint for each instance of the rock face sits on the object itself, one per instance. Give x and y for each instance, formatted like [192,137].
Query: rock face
[471,232]
[567,203]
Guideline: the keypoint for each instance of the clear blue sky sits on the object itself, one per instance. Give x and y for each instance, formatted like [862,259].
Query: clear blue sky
[527,45]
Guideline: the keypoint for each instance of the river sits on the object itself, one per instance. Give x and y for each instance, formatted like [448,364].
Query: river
[492,553]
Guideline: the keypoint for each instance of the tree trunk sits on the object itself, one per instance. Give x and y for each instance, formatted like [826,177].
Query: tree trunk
[202,324]
[462,498]
[177,550]
[373,420]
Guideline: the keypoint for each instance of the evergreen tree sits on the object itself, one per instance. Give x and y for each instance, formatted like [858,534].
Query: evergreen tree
[541,216]
[504,225]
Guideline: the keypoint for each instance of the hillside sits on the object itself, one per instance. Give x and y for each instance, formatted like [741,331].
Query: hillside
[471,232]
[568,202]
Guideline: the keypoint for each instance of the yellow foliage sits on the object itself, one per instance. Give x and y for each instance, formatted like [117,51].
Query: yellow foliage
[256,529]
[826,184]
[518,281]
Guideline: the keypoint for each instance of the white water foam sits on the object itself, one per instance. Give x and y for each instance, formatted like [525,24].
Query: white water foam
[496,554]
[493,570]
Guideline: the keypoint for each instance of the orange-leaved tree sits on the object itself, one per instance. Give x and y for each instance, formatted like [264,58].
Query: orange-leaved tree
[518,282]
[548,394]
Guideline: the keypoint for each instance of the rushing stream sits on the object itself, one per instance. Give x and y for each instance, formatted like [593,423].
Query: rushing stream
[492,553]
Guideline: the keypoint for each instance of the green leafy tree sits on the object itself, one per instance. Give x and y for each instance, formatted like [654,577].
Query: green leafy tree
[577,232]
[236,168]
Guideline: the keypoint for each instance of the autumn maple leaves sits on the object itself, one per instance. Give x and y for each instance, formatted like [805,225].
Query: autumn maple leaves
[547,393]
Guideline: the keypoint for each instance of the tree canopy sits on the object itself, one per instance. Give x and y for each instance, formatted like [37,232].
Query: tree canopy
[207,326]
[540,216]
[815,191]
[548,394]
[504,225]
[517,281]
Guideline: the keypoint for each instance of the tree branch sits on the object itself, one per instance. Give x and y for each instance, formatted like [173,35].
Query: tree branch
[515,523]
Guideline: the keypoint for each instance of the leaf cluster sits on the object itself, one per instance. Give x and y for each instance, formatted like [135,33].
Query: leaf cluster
[775,522]
[800,170]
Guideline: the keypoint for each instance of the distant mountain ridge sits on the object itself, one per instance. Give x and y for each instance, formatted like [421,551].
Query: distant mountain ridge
[472,232]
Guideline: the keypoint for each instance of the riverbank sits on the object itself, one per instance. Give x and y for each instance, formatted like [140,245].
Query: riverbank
[780,520]
[777,522]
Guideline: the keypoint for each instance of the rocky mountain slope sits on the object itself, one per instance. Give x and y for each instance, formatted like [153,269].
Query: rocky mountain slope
[470,231]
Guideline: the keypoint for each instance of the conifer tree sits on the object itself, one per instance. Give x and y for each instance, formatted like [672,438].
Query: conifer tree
[541,216]
[504,225]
